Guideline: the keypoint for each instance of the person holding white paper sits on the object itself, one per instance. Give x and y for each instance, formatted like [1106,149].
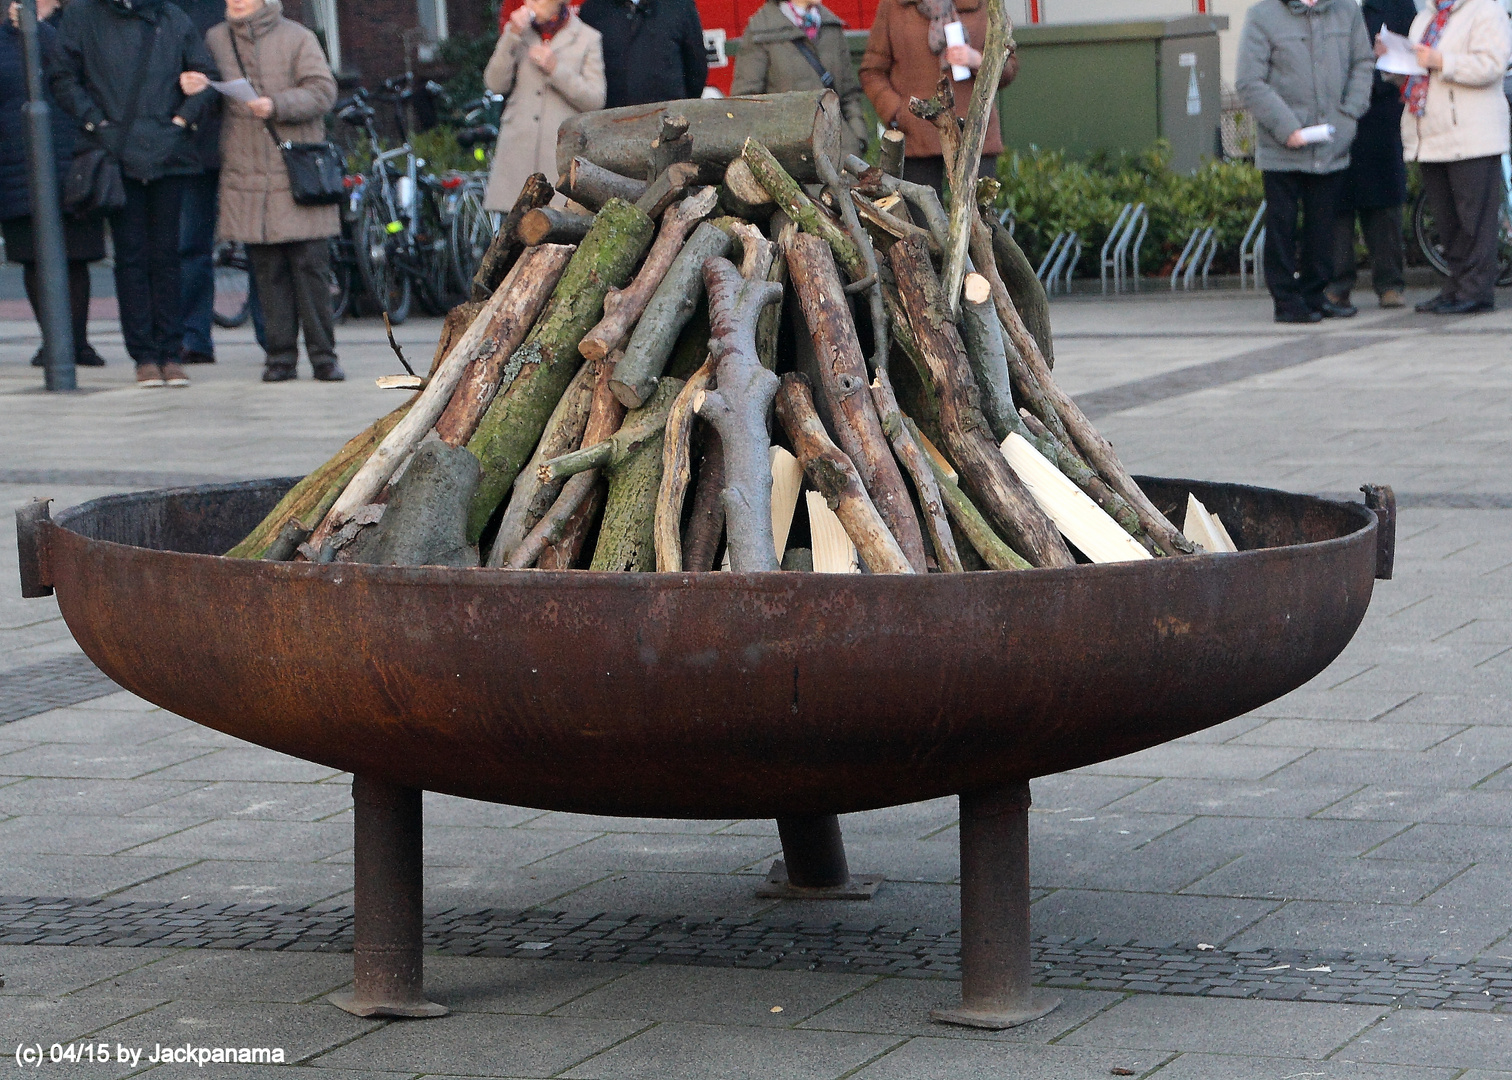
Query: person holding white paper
[1303,63]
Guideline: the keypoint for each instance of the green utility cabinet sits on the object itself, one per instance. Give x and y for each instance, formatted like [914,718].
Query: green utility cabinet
[1085,87]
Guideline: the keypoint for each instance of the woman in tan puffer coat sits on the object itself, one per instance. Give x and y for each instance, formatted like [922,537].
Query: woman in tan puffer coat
[287,244]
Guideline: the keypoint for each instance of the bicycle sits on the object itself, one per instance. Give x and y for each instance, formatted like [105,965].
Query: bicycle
[472,226]
[380,207]
[233,285]
[1426,234]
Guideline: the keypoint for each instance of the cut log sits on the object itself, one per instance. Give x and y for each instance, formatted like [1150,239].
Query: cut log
[540,370]
[843,382]
[1203,528]
[797,127]
[672,145]
[623,307]
[677,471]
[1079,519]
[746,189]
[738,411]
[425,518]
[982,334]
[457,320]
[834,476]
[668,311]
[790,198]
[548,225]
[506,245]
[978,533]
[1002,496]
[534,277]
[530,498]
[666,189]
[1024,287]
[833,552]
[891,158]
[700,542]
[633,464]
[787,483]
[593,185]
[911,454]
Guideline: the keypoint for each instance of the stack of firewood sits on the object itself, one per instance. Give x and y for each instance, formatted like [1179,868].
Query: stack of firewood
[729,312]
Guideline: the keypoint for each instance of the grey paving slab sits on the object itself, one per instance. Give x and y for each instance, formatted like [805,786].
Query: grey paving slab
[715,894]
[253,763]
[1432,1038]
[81,834]
[455,845]
[713,996]
[78,875]
[1369,881]
[1235,798]
[271,801]
[1262,1028]
[260,840]
[230,977]
[914,821]
[301,1031]
[1437,805]
[594,824]
[450,810]
[901,1007]
[502,985]
[685,1051]
[63,759]
[1348,735]
[271,1072]
[896,903]
[1230,1067]
[1080,791]
[48,971]
[475,1044]
[1224,762]
[510,888]
[46,1020]
[1448,843]
[59,797]
[1129,916]
[99,726]
[970,1059]
[1391,767]
[672,852]
[242,881]
[1341,704]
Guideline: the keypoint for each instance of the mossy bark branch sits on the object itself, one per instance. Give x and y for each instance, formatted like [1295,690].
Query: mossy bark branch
[677,471]
[914,460]
[994,552]
[627,540]
[791,199]
[967,160]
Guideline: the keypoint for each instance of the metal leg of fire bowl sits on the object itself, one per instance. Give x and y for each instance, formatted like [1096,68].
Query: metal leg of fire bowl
[389,887]
[996,992]
[813,865]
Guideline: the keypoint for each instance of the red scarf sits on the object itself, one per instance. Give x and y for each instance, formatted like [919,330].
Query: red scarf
[1415,93]
[552,27]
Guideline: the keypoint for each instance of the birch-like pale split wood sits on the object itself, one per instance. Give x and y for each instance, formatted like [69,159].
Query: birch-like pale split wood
[738,410]
[787,482]
[968,439]
[549,225]
[834,476]
[911,455]
[668,311]
[677,471]
[921,197]
[843,383]
[623,307]
[593,185]
[891,224]
[533,278]
[833,552]
[1082,475]
[1079,519]
[974,527]
[506,245]
[1203,528]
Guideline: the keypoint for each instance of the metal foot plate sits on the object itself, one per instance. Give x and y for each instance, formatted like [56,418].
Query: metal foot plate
[409,1010]
[1033,1007]
[777,887]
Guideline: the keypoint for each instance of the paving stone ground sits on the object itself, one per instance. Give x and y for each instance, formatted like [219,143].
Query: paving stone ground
[1362,824]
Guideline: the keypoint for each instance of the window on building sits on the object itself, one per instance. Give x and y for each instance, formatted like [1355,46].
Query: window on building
[323,15]
[433,19]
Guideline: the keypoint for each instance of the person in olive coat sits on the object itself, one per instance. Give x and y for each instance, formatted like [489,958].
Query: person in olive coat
[800,45]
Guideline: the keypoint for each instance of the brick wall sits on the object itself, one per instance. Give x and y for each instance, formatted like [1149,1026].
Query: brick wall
[372,42]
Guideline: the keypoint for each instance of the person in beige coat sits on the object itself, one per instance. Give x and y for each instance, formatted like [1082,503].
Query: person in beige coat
[551,64]
[1455,126]
[288,245]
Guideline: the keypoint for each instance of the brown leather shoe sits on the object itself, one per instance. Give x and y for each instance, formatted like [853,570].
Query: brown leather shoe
[1393,298]
[149,376]
[174,375]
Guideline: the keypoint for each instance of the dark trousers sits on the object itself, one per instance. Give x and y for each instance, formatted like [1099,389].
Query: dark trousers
[294,285]
[1466,197]
[197,264]
[931,170]
[78,298]
[146,236]
[1382,229]
[1296,285]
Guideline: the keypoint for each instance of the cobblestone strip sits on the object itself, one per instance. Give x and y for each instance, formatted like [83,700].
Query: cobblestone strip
[1408,980]
[51,684]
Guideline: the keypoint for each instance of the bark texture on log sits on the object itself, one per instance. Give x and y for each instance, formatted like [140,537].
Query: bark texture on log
[893,152]
[738,411]
[549,225]
[1024,288]
[982,334]
[670,308]
[423,523]
[1002,496]
[986,543]
[565,538]
[506,245]
[593,185]
[535,276]
[666,189]
[796,126]
[700,542]
[793,202]
[912,455]
[540,370]
[639,427]
[677,471]
[834,476]
[843,382]
[634,466]
[622,307]
[457,320]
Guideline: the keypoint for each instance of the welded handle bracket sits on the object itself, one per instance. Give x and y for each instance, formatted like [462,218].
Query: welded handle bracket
[1381,499]
[32,548]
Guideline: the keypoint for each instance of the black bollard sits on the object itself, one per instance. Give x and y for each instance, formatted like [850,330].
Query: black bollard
[46,216]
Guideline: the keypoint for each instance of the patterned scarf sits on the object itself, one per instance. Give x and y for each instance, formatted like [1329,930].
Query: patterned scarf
[1415,93]
[938,12]
[552,26]
[807,19]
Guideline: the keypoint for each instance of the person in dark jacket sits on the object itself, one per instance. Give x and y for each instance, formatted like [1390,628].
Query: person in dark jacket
[123,57]
[653,49]
[197,217]
[83,237]
[1375,184]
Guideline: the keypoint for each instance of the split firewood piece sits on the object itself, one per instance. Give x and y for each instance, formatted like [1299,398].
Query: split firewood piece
[530,498]
[1002,496]
[498,328]
[623,307]
[1079,519]
[506,245]
[1203,528]
[791,199]
[667,312]
[1085,478]
[558,538]
[666,189]
[308,501]
[911,454]
[540,370]
[890,160]
[633,464]
[787,482]
[677,471]
[994,552]
[671,144]
[1023,285]
[700,540]
[834,476]
[593,185]
[534,277]
[843,383]
[549,225]
[425,518]
[896,227]
[832,551]
[738,411]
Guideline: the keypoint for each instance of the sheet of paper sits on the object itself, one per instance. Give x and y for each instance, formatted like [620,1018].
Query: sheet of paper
[1399,58]
[239,89]
[1318,133]
[955,34]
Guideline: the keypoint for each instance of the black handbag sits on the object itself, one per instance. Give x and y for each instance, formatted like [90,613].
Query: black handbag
[94,182]
[316,170]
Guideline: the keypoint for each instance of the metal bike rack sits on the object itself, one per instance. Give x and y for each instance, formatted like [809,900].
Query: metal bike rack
[1202,244]
[1066,251]
[1055,246]
[1252,248]
[1116,249]
[1008,221]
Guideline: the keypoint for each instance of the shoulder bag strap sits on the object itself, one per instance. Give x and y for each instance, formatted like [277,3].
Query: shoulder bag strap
[806,50]
[272,131]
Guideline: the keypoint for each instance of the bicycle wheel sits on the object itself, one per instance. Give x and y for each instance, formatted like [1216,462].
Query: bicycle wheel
[433,258]
[386,284]
[472,232]
[1427,236]
[1504,249]
[341,280]
[233,283]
